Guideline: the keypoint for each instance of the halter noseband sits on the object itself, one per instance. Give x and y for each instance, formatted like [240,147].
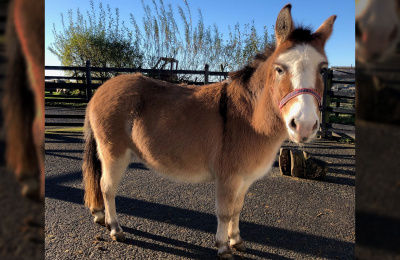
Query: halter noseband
[298,92]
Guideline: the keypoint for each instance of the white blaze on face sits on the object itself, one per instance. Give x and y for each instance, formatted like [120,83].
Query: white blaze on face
[302,62]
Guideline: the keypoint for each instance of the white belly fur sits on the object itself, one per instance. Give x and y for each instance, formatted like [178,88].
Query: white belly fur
[204,175]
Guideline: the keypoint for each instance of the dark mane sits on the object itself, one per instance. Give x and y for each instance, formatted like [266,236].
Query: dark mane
[302,34]
[243,75]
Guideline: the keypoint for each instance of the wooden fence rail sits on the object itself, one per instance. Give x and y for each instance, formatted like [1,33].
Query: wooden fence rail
[339,102]
[336,101]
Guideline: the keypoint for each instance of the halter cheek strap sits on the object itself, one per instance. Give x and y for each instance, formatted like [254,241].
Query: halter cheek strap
[298,92]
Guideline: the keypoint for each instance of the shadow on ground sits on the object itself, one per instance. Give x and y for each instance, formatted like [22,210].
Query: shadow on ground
[290,240]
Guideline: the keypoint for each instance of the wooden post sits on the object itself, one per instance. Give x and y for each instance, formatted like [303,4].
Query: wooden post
[326,101]
[88,81]
[206,74]
[284,161]
[297,163]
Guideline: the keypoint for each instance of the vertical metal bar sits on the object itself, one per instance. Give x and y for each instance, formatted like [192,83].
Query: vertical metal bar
[88,81]
[337,105]
[206,72]
[325,102]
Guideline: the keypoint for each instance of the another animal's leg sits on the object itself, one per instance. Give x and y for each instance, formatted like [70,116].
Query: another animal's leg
[226,192]
[18,105]
[29,24]
[112,171]
[236,240]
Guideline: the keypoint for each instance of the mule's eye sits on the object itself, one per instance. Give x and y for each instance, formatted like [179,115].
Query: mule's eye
[322,71]
[279,70]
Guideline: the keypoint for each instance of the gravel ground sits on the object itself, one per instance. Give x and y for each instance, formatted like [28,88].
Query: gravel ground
[22,222]
[283,217]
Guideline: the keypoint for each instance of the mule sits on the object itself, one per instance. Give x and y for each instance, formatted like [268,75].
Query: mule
[377,29]
[227,132]
[23,103]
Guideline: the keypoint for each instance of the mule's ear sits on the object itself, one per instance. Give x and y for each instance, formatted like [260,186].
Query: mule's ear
[325,30]
[284,24]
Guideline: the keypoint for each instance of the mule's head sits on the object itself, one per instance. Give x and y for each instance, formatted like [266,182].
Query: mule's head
[297,67]
[377,29]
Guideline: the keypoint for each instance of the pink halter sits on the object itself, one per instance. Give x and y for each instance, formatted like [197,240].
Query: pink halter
[298,92]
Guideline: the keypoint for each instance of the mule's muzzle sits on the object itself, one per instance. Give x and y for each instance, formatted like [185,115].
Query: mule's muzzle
[302,131]
[303,122]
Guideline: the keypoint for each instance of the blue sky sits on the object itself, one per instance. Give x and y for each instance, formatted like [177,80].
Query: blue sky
[339,48]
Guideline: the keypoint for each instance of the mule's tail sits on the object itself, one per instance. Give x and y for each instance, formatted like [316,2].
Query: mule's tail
[91,170]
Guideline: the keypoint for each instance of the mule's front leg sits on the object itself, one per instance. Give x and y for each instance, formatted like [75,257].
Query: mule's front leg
[236,240]
[226,191]
[224,250]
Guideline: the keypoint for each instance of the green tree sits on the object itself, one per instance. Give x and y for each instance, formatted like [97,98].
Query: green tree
[105,41]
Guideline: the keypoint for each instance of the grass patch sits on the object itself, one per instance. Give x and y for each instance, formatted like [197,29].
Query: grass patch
[52,102]
[63,104]
[341,139]
[64,130]
[342,119]
[54,99]
[347,140]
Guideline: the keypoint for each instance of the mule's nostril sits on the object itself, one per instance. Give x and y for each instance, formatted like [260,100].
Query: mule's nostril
[293,123]
[304,139]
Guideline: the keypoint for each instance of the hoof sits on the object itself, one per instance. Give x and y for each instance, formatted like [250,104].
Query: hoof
[224,251]
[240,246]
[119,237]
[100,220]
[226,256]
[98,216]
[31,188]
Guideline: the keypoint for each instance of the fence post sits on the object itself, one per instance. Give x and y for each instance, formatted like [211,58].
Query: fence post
[337,105]
[326,101]
[88,81]
[206,74]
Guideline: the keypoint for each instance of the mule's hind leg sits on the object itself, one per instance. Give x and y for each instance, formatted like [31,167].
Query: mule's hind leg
[113,169]
[236,240]
[226,191]
[98,214]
